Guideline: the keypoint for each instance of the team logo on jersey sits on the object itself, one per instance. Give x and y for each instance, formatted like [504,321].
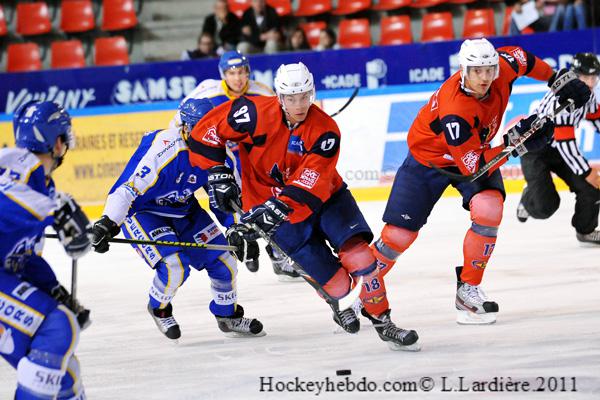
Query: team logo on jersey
[160,232]
[211,136]
[434,100]
[470,160]
[478,264]
[308,178]
[520,56]
[207,234]
[192,179]
[23,291]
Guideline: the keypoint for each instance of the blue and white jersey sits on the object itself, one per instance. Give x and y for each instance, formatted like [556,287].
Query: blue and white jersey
[25,214]
[23,166]
[158,179]
[218,93]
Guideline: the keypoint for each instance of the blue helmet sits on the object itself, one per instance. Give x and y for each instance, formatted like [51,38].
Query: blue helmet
[37,125]
[232,59]
[191,111]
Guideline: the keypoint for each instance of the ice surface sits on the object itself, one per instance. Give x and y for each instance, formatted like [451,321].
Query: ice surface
[546,284]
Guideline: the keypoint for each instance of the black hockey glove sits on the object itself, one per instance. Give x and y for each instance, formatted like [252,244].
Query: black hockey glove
[540,138]
[71,225]
[104,229]
[62,295]
[267,217]
[247,250]
[565,85]
[223,189]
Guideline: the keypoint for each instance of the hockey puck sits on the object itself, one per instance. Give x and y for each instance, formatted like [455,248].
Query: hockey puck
[342,372]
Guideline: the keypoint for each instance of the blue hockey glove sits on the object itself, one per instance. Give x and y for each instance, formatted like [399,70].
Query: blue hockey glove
[72,226]
[223,189]
[267,217]
[537,141]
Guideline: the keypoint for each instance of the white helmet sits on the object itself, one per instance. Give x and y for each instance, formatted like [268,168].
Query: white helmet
[292,79]
[477,53]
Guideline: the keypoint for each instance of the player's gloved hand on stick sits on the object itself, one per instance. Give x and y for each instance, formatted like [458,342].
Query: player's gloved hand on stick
[247,250]
[565,85]
[540,138]
[223,189]
[104,229]
[267,217]
[62,295]
[72,226]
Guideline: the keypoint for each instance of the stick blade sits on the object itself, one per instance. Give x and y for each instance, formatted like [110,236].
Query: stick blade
[350,298]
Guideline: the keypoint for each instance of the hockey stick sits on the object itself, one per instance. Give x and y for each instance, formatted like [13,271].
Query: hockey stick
[221,247]
[537,124]
[336,304]
[352,96]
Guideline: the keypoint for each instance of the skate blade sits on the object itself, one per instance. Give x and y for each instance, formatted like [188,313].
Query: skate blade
[238,335]
[470,318]
[398,347]
[289,279]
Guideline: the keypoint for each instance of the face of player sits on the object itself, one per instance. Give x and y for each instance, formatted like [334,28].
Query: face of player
[296,106]
[590,80]
[479,79]
[236,79]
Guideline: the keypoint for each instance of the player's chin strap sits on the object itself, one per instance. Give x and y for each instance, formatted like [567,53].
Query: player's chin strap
[537,124]
[337,305]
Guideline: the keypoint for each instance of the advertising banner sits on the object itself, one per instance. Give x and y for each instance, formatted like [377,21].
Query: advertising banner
[373,67]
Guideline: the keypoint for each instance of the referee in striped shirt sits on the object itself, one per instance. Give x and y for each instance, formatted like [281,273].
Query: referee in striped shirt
[540,199]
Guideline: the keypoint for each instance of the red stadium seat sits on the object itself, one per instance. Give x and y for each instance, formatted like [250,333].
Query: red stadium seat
[3,28]
[479,23]
[309,8]
[238,6]
[118,15]
[386,5]
[67,54]
[77,16]
[33,18]
[313,31]
[437,27]
[395,30]
[347,7]
[23,57]
[111,51]
[426,3]
[354,33]
[283,7]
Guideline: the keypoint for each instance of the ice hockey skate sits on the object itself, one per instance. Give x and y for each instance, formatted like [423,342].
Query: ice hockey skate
[472,305]
[347,320]
[396,338]
[282,268]
[165,322]
[589,239]
[238,326]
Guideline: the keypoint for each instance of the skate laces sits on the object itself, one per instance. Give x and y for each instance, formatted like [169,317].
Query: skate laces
[473,294]
[240,324]
[389,329]
[347,316]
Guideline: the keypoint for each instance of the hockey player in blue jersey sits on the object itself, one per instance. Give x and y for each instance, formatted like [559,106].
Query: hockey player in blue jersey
[38,331]
[235,81]
[154,199]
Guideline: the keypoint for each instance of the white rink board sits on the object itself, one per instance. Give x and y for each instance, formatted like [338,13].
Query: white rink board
[548,325]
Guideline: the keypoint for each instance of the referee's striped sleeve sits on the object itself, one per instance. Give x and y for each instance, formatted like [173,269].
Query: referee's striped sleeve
[569,152]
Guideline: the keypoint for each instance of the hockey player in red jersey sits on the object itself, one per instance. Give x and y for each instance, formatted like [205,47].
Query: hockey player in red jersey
[291,190]
[453,131]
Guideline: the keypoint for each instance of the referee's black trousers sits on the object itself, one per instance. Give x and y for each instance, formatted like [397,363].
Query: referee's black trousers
[541,199]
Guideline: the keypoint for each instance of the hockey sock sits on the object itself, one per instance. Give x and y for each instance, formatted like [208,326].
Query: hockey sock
[171,272]
[394,241]
[480,240]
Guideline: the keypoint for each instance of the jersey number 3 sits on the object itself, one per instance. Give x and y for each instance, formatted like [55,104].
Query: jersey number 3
[243,112]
